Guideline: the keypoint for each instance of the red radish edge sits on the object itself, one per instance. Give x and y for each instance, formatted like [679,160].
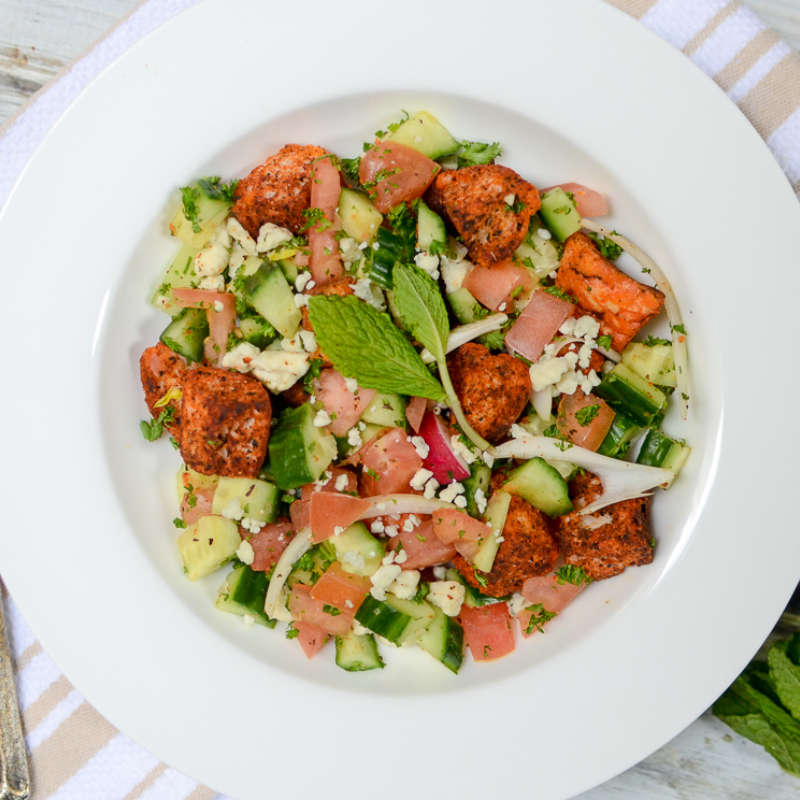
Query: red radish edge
[445,464]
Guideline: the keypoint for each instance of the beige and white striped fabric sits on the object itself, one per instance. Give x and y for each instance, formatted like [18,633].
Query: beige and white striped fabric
[78,755]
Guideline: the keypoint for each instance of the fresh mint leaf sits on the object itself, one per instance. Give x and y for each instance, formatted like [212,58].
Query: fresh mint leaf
[363,343]
[421,307]
[785,675]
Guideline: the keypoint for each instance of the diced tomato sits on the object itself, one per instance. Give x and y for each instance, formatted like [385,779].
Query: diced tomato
[341,589]
[538,324]
[305,608]
[311,637]
[335,472]
[389,462]
[488,631]
[442,460]
[546,589]
[458,529]
[268,544]
[326,265]
[393,173]
[344,407]
[331,510]
[494,285]
[220,322]
[422,547]
[589,202]
[415,411]
[204,498]
[584,419]
[300,513]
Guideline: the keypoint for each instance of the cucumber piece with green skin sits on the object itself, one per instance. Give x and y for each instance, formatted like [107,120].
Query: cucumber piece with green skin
[540,255]
[659,450]
[357,550]
[559,214]
[257,331]
[190,481]
[653,362]
[541,485]
[420,614]
[358,653]
[210,212]
[430,228]
[267,292]
[299,452]
[472,597]
[622,432]
[243,593]
[289,269]
[496,513]
[312,564]
[465,307]
[479,477]
[360,219]
[443,638]
[185,334]
[564,469]
[179,274]
[259,500]
[424,133]
[626,391]
[383,619]
[388,410]
[208,544]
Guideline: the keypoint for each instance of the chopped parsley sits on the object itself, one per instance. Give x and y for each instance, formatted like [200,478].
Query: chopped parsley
[349,166]
[216,189]
[482,579]
[570,573]
[423,590]
[608,249]
[314,371]
[560,293]
[679,329]
[315,217]
[189,196]
[178,523]
[653,341]
[604,341]
[540,616]
[152,429]
[332,610]
[586,414]
[292,632]
[472,153]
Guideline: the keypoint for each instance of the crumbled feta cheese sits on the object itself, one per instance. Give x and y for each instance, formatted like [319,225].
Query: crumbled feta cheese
[547,371]
[301,281]
[568,383]
[420,445]
[354,437]
[503,306]
[351,384]
[240,236]
[509,199]
[279,370]
[311,284]
[488,458]
[391,531]
[362,426]
[401,557]
[348,604]
[420,478]
[543,233]
[439,573]
[349,250]
[212,283]
[451,491]
[308,341]
[218,306]
[430,489]
[233,510]
[301,300]
[453,273]
[213,258]
[237,257]
[429,263]
[271,236]
[460,501]
[323,480]
[377,526]
[245,552]
[251,525]
[405,584]
[587,326]
[353,559]
[518,432]
[382,579]
[293,345]
[480,500]
[341,482]
[516,604]
[447,595]
[240,357]
[461,449]
[363,290]
[322,418]
[337,529]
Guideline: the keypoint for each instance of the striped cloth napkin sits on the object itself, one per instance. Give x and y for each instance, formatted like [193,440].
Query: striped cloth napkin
[76,754]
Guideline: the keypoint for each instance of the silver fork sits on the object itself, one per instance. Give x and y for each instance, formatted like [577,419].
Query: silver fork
[15,780]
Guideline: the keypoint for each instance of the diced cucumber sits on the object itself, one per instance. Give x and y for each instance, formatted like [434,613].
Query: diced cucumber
[659,450]
[564,468]
[479,477]
[357,550]
[208,544]
[559,214]
[654,363]
[420,614]
[257,331]
[243,593]
[383,619]
[178,275]
[541,485]
[387,410]
[267,291]
[424,133]
[430,228]
[535,425]
[312,564]
[360,219]
[189,480]
[210,212]
[465,307]
[185,334]
[622,432]
[539,255]
[472,597]
[289,269]
[258,500]
[628,392]
[496,513]
[299,452]
[357,653]
[444,640]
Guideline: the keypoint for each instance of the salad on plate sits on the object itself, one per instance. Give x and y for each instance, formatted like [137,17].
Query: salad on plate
[411,395]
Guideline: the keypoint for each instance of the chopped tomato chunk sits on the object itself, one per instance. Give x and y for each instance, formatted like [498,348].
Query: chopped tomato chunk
[341,589]
[488,631]
[393,173]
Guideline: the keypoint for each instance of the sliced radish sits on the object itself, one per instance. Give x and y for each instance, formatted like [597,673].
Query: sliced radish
[445,464]
[537,324]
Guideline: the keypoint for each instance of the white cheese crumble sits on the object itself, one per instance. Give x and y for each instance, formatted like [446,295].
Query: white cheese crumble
[420,478]
[240,236]
[341,483]
[354,437]
[509,199]
[547,371]
[401,557]
[543,233]
[429,263]
[245,552]
[503,306]
[451,491]
[405,584]
[516,604]
[382,579]
[391,531]
[351,384]
[430,489]
[453,273]
[439,573]
[488,458]
[447,595]
[301,281]
[271,236]
[308,340]
[213,258]
[377,526]
[349,251]
[461,450]
[461,501]
[233,510]
[218,306]
[279,370]
[420,445]
[251,525]
[480,500]
[323,480]
[363,290]
[240,357]
[354,560]
[301,300]
[212,283]
[337,529]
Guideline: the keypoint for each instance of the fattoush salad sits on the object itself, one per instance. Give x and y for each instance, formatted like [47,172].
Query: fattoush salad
[408,395]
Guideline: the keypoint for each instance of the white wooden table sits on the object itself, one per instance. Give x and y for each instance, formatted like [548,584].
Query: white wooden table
[38,38]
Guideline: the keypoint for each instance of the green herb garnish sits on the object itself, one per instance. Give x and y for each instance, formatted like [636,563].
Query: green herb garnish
[540,616]
[472,153]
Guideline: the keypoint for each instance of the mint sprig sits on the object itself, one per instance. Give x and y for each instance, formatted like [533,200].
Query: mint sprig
[363,343]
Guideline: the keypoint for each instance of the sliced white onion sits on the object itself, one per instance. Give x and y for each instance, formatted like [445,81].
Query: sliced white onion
[466,333]
[275,601]
[680,351]
[402,504]
[622,480]
[542,402]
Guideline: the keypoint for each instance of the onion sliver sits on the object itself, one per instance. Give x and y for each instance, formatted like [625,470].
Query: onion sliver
[466,333]
[403,504]
[274,602]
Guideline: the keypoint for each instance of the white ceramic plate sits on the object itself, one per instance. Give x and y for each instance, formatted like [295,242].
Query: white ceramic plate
[575,91]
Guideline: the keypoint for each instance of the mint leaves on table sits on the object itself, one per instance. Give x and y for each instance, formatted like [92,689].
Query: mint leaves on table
[363,343]
[763,704]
